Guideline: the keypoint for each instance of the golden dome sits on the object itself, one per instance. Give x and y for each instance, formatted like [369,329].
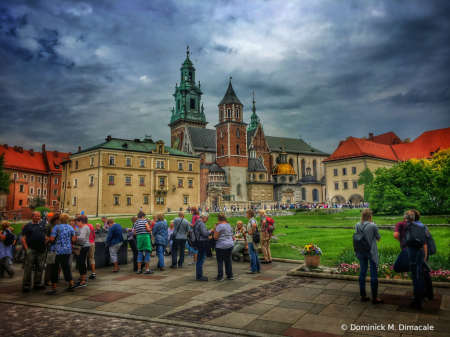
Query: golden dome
[283,168]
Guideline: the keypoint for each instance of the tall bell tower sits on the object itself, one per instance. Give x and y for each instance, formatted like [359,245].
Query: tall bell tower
[188,110]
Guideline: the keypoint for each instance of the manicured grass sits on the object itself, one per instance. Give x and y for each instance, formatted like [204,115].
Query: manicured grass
[331,241]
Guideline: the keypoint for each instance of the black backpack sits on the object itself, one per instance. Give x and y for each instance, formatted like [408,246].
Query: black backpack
[415,236]
[9,240]
[192,238]
[256,234]
[431,245]
[360,244]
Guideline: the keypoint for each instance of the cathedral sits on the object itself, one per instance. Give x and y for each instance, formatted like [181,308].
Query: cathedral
[240,164]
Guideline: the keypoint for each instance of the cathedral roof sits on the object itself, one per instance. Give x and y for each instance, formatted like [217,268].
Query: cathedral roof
[230,96]
[308,179]
[283,168]
[214,168]
[292,145]
[250,134]
[255,165]
[202,139]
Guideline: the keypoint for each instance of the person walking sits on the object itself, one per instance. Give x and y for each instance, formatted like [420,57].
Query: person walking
[181,228]
[34,243]
[240,242]
[202,237]
[161,239]
[265,237]
[131,238]
[223,234]
[113,241]
[83,246]
[142,231]
[252,227]
[60,241]
[5,248]
[371,235]
[192,250]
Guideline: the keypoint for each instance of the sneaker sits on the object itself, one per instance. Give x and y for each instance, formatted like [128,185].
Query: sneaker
[173,266]
[424,299]
[92,276]
[218,279]
[39,288]
[202,279]
[139,272]
[52,292]
[149,271]
[193,263]
[71,288]
[252,272]
[229,278]
[79,285]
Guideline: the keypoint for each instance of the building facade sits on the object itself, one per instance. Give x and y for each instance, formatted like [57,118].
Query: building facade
[120,176]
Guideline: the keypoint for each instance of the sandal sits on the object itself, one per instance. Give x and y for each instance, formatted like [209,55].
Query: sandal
[377,301]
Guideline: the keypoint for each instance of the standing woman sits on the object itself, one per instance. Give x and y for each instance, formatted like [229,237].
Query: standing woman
[114,240]
[142,231]
[62,237]
[5,250]
[82,239]
[202,235]
[223,234]
[161,238]
[371,235]
[91,254]
[131,238]
[54,220]
[169,233]
[252,227]
[265,237]
[193,250]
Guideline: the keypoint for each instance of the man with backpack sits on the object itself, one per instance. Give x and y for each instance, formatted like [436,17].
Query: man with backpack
[267,225]
[412,237]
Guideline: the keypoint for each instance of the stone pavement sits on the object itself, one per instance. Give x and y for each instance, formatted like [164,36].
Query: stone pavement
[173,303]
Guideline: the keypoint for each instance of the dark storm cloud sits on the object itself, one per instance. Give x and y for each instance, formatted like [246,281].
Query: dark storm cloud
[78,71]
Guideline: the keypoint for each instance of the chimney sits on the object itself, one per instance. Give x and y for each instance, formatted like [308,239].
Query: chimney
[6,146]
[406,140]
[108,138]
[370,135]
[43,148]
[396,141]
[79,148]
[348,137]
[32,152]
[20,148]
[15,148]
[55,153]
[70,153]
[364,138]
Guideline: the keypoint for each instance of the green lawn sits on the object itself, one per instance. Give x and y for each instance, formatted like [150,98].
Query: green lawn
[331,241]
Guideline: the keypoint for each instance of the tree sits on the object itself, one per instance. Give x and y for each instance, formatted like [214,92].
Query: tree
[365,178]
[5,180]
[36,202]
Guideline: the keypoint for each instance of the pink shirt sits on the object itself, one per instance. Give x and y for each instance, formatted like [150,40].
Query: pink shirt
[92,235]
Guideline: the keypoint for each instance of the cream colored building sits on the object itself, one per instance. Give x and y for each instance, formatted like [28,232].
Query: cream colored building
[121,176]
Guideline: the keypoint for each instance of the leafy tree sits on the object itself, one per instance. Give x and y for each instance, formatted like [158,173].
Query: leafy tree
[42,210]
[5,180]
[36,202]
[365,178]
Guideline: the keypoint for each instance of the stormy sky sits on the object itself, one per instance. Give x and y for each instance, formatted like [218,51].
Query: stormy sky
[73,72]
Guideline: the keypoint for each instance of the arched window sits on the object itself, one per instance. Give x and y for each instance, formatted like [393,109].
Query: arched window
[221,134]
[190,76]
[275,179]
[238,150]
[261,176]
[229,113]
[237,113]
[283,179]
[238,189]
[278,160]
[315,195]
[237,132]
[221,114]
[291,162]
[291,179]
[222,150]
[315,168]
[261,159]
[303,169]
[303,194]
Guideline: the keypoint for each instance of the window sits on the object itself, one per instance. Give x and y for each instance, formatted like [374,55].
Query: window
[20,202]
[76,164]
[32,178]
[55,192]
[237,114]
[291,179]
[238,189]
[25,176]
[92,160]
[75,183]
[283,179]
[142,181]
[31,190]
[315,195]
[55,181]
[190,183]
[355,184]
[128,161]
[54,202]
[344,171]
[128,200]
[237,133]
[74,201]
[15,176]
[145,199]
[315,171]
[354,170]
[222,150]
[190,166]
[21,188]
[178,104]
[345,185]
[39,179]
[45,191]
[261,176]
[229,113]
[127,180]
[185,200]
[180,166]
[160,164]
[142,162]
[238,150]
[303,168]
[303,193]
[111,180]
[192,103]
[221,114]
[160,200]
[57,167]
[180,182]
[38,191]
[45,180]
[336,186]
[91,180]
[221,134]
[335,172]
[111,160]
[161,181]
[261,159]
[116,200]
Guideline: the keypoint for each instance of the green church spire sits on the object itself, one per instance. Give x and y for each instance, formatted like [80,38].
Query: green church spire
[254,120]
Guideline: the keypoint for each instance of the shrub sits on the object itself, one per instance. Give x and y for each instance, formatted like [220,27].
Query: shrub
[42,210]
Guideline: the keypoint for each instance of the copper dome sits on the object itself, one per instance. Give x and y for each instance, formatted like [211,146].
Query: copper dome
[283,168]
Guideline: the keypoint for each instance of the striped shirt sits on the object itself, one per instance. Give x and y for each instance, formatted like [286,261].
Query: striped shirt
[139,227]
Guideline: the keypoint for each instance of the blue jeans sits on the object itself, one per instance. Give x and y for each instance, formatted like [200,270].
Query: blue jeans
[364,260]
[416,261]
[160,253]
[178,245]
[140,256]
[401,265]
[254,258]
[190,249]
[201,256]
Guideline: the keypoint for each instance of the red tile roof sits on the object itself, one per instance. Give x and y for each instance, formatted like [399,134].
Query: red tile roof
[386,138]
[23,161]
[54,161]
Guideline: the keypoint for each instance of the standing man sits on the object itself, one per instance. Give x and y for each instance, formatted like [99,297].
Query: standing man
[181,228]
[265,237]
[105,222]
[34,243]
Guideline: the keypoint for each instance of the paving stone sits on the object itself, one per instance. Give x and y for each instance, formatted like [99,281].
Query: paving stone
[83,304]
[143,298]
[276,328]
[140,276]
[283,315]
[344,311]
[109,296]
[63,300]
[264,278]
[445,302]
[317,323]
[439,325]
[444,314]
[392,299]
[233,320]
[307,291]
[401,316]
[306,333]
[344,300]
[296,305]
[317,309]
[230,286]
[11,289]
[296,297]
[151,310]
[370,321]
[340,292]
[324,299]
[443,291]
[210,295]
[173,301]
[118,307]
[257,309]
[188,294]
[336,286]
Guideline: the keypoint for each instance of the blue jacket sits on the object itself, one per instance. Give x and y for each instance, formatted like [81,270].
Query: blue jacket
[115,235]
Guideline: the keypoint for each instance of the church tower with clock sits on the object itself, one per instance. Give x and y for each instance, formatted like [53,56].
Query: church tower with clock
[188,110]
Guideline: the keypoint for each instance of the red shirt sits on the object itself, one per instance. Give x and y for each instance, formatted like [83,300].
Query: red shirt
[92,235]
[400,227]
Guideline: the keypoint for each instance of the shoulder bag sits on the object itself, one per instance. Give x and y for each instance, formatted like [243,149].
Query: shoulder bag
[76,248]
[256,234]
[51,256]
[174,235]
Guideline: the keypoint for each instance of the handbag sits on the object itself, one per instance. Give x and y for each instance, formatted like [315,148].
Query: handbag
[256,235]
[76,249]
[51,256]
[174,235]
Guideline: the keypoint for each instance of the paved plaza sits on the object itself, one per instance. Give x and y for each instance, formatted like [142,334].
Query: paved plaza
[173,303]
